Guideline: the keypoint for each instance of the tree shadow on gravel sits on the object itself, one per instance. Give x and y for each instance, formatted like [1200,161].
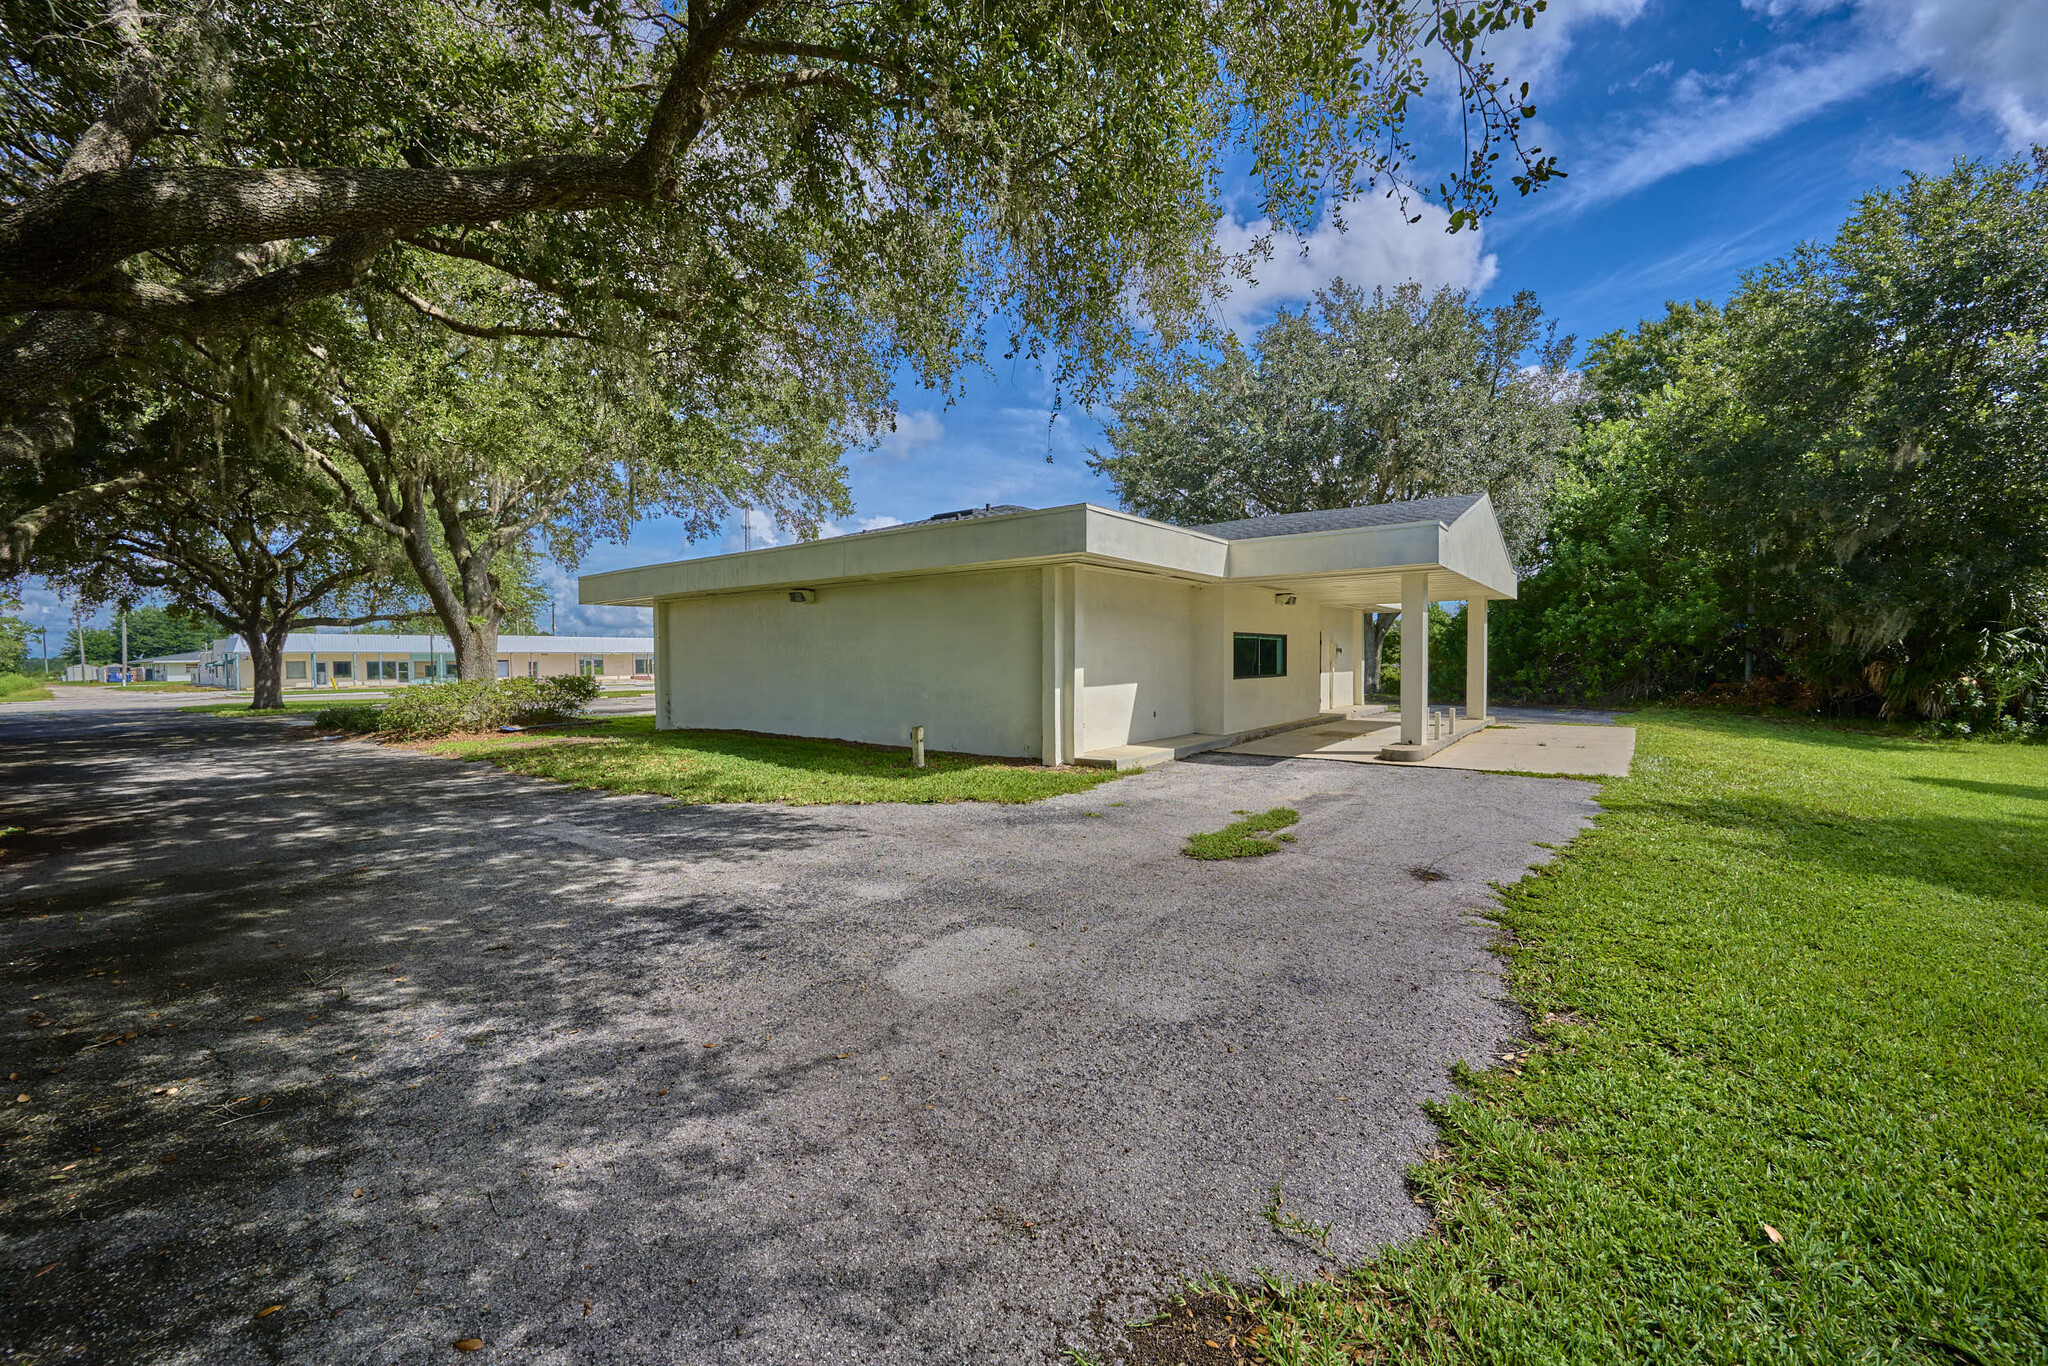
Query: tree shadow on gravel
[342,1040]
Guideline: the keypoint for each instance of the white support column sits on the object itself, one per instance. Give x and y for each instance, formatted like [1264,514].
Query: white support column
[1060,694]
[1475,660]
[1414,657]
[1358,660]
[664,676]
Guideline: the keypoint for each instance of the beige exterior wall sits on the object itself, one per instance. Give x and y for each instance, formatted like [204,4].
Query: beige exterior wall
[1135,642]
[1043,663]
[957,654]
[1249,703]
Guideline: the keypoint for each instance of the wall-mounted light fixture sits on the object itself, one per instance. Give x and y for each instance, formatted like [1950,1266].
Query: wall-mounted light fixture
[803,595]
[1284,599]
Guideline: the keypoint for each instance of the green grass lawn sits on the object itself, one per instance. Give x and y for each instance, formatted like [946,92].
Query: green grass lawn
[1787,1096]
[1252,837]
[291,704]
[154,687]
[630,755]
[23,688]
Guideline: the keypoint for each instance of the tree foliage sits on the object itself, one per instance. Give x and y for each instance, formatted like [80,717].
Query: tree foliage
[786,192]
[231,527]
[1844,474]
[475,456]
[1357,398]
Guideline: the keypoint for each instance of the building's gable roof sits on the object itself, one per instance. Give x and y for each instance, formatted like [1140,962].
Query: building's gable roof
[1445,510]
[963,515]
[188,657]
[1357,554]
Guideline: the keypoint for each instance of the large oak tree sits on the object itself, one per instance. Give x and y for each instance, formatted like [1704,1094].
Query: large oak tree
[753,187]
[1359,397]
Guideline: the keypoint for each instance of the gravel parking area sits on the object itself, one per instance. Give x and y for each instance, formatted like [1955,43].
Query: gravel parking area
[418,1051]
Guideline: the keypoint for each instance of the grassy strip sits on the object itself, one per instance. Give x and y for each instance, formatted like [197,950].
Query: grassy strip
[1245,838]
[155,687]
[22,688]
[291,704]
[630,755]
[1787,1099]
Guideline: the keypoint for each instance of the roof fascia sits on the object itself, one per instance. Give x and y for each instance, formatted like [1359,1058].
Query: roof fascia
[1078,531]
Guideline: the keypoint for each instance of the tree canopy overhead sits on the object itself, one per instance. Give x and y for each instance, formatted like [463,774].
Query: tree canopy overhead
[1836,485]
[1357,398]
[762,187]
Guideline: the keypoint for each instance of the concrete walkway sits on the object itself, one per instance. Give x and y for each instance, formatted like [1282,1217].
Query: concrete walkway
[1588,748]
[420,1051]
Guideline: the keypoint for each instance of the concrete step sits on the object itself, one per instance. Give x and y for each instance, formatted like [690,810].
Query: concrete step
[1151,753]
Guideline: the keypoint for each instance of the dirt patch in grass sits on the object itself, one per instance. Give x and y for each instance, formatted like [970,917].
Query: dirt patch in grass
[1205,1330]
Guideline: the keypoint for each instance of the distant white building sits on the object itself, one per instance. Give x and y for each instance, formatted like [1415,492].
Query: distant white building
[319,659]
[168,668]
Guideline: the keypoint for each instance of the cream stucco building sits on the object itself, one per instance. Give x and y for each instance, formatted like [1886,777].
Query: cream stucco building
[1059,632]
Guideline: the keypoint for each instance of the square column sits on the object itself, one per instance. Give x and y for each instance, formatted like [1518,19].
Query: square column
[1414,657]
[1475,660]
[664,676]
[1358,659]
[1060,690]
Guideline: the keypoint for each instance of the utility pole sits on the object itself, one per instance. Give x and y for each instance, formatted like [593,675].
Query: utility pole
[124,647]
[551,615]
[78,624]
[43,634]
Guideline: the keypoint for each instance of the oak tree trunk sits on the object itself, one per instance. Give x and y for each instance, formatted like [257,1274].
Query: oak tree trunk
[1377,626]
[477,646]
[266,663]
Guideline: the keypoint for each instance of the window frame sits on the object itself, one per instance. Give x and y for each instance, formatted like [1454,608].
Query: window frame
[1259,639]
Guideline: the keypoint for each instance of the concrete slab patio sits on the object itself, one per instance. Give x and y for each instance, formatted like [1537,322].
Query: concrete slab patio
[1589,748]
[417,1050]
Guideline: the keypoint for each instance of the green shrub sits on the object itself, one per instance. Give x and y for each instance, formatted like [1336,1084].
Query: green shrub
[359,719]
[535,700]
[12,685]
[427,711]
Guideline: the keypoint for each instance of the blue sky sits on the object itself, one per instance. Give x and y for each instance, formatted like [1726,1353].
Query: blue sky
[1702,138]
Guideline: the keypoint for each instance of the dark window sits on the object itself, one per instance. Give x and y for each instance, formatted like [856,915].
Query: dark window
[1259,656]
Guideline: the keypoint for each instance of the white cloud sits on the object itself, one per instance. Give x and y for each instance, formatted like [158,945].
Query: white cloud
[916,431]
[757,531]
[1992,53]
[1713,117]
[572,618]
[1376,246]
[829,529]
[44,607]
[1536,54]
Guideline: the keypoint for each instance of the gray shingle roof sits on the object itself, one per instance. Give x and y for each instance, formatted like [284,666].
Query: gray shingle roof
[985,510]
[1343,519]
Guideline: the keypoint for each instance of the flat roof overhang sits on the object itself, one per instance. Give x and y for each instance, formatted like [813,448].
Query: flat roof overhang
[1357,568]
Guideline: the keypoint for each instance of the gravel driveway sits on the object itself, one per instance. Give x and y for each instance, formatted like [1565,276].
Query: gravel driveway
[421,1052]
